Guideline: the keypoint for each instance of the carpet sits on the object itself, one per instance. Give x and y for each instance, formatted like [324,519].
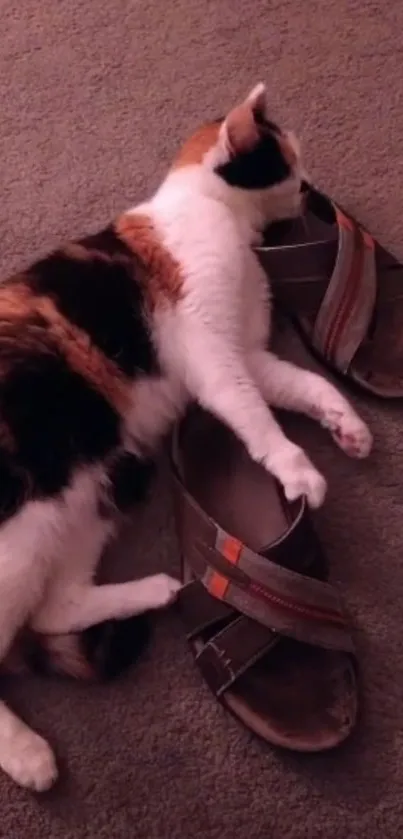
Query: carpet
[94,98]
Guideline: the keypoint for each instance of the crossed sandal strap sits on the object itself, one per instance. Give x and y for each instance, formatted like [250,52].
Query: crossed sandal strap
[237,642]
[284,601]
[200,611]
[299,550]
[345,315]
[349,261]
[232,651]
[241,639]
[248,602]
[243,601]
[262,587]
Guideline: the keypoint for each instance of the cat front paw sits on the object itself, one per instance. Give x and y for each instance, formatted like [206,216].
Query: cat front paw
[162,590]
[298,476]
[350,432]
[30,762]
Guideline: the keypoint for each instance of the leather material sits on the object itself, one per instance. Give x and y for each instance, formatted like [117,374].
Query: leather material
[301,605]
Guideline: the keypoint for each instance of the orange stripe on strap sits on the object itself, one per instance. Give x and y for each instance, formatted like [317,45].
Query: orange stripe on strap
[231,548]
[368,240]
[351,289]
[349,224]
[343,220]
[217,585]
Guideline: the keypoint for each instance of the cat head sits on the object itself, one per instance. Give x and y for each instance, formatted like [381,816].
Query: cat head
[252,156]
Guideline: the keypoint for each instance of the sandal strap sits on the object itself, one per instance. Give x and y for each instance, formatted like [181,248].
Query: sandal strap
[243,634]
[200,611]
[283,601]
[239,645]
[349,261]
[234,647]
[298,548]
[236,644]
[347,309]
[261,586]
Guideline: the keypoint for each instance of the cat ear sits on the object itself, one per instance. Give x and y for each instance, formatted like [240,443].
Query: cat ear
[257,99]
[241,127]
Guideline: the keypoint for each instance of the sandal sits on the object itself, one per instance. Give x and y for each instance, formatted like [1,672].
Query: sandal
[344,292]
[272,640]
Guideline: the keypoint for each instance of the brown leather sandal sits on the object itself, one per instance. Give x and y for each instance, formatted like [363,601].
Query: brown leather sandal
[271,638]
[344,292]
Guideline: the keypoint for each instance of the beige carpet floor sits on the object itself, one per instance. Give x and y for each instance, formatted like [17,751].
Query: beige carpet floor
[94,97]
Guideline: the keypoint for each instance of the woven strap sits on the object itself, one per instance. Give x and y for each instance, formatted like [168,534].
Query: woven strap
[234,644]
[237,604]
[346,261]
[260,586]
[284,601]
[348,305]
[232,651]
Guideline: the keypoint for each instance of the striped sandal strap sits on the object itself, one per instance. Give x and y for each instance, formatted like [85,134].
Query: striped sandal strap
[260,586]
[282,600]
[347,308]
[342,258]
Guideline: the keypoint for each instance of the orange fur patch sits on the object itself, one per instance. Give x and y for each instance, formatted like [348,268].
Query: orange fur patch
[194,149]
[84,357]
[56,654]
[162,276]
[15,301]
[15,307]
[18,307]
[64,655]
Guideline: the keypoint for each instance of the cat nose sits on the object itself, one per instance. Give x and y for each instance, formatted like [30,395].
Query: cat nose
[304,187]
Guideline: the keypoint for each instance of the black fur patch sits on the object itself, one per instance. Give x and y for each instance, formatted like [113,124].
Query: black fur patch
[128,482]
[56,419]
[58,422]
[262,167]
[100,293]
[111,647]
[14,486]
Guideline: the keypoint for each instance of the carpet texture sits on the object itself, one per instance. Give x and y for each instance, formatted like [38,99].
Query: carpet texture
[94,98]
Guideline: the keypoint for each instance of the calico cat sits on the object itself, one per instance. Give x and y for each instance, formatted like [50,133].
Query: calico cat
[103,344]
